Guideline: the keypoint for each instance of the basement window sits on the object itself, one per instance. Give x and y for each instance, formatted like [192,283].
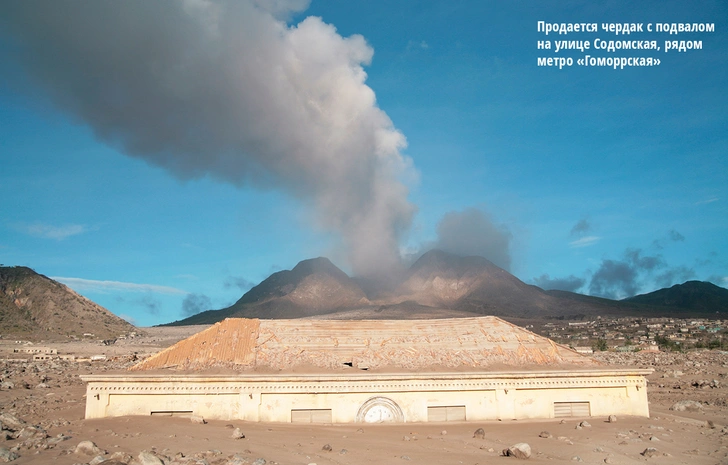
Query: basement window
[311,416]
[172,413]
[446,413]
[571,409]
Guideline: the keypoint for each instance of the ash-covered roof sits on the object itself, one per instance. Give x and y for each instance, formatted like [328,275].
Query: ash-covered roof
[457,343]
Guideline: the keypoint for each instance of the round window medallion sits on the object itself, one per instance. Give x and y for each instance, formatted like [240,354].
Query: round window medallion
[380,410]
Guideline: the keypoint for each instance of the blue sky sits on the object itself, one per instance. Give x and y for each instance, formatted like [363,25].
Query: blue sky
[162,158]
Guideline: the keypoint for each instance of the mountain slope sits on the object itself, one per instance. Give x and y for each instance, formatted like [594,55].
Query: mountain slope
[35,306]
[691,295]
[472,284]
[313,287]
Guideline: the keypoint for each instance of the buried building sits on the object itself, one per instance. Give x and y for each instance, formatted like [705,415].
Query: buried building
[336,371]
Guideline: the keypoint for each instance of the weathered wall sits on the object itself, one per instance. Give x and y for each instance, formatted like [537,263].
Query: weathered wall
[484,396]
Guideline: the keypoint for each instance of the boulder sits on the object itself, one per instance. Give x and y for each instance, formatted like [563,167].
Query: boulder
[146,457]
[519,451]
[87,448]
[11,422]
[97,460]
[122,457]
[31,432]
[687,406]
[7,455]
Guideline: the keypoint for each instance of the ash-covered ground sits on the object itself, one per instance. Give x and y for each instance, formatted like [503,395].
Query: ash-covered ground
[42,407]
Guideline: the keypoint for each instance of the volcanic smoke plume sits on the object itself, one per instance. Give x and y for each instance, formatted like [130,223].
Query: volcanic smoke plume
[229,90]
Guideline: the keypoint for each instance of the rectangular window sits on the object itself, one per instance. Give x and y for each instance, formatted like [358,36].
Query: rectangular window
[311,416]
[446,413]
[571,409]
[172,413]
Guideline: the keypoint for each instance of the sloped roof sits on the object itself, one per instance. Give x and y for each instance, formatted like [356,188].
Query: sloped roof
[469,343]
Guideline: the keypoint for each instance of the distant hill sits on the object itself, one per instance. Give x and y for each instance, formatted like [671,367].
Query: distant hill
[33,306]
[693,295]
[442,285]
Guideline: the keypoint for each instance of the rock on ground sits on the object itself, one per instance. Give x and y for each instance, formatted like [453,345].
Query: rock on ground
[687,405]
[7,455]
[87,448]
[148,458]
[11,422]
[519,451]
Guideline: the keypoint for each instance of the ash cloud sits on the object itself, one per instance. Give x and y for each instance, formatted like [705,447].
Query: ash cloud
[195,303]
[151,305]
[581,227]
[617,279]
[675,236]
[231,91]
[677,275]
[570,283]
[238,282]
[672,236]
[719,280]
[579,232]
[473,232]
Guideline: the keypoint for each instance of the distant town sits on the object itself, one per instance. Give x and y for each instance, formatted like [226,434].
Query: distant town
[635,334]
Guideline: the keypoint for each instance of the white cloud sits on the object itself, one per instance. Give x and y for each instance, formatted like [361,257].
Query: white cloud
[48,231]
[711,200]
[92,285]
[585,241]
[191,277]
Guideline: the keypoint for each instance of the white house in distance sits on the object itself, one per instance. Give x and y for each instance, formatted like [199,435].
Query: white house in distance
[343,371]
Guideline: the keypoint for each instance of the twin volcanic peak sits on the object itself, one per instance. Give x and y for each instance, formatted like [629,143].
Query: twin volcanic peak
[438,284]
